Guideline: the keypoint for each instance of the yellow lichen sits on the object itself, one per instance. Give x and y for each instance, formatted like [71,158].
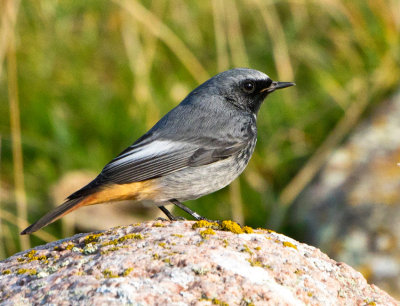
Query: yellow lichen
[131,236]
[226,225]
[246,302]
[31,256]
[255,263]
[107,273]
[204,224]
[162,244]
[111,242]
[21,271]
[177,235]
[109,250]
[257,248]
[127,271]
[370,302]
[41,257]
[113,249]
[226,243]
[231,226]
[299,272]
[204,234]
[167,260]
[218,302]
[5,272]
[289,244]
[247,249]
[158,224]
[248,230]
[27,271]
[123,238]
[64,246]
[93,238]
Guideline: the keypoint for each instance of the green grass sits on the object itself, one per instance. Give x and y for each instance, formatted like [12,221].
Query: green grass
[95,75]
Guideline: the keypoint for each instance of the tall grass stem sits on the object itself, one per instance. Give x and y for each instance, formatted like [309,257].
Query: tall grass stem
[15,125]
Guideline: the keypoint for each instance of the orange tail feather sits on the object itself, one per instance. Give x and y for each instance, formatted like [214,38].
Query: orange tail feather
[110,193]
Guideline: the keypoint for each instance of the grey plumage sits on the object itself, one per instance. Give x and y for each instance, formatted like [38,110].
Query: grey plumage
[213,122]
[200,146]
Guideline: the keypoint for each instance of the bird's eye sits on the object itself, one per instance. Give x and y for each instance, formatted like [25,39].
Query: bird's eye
[248,87]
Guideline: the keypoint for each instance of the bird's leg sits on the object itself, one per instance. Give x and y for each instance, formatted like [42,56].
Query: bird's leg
[188,210]
[167,213]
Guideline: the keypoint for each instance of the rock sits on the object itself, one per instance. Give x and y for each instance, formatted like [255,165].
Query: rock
[181,263]
[351,210]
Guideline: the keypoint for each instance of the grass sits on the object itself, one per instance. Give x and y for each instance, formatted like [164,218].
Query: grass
[91,77]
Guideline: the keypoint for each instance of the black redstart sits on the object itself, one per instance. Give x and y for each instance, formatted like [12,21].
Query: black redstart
[199,147]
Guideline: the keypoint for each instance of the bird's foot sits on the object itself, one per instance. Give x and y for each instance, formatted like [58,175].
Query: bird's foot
[170,216]
[161,219]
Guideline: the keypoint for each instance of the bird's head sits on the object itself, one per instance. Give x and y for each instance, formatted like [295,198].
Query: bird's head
[244,88]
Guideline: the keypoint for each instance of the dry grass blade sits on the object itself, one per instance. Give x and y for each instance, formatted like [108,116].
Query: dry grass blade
[9,217]
[359,89]
[141,57]
[10,245]
[9,11]
[220,35]
[349,120]
[280,51]
[221,30]
[395,10]
[239,59]
[156,27]
[20,194]
[277,35]
[2,249]
[236,201]
[235,36]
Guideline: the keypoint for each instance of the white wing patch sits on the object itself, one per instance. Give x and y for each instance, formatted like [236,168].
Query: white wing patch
[154,148]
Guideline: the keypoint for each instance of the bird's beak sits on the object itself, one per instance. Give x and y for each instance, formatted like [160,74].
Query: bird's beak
[277,85]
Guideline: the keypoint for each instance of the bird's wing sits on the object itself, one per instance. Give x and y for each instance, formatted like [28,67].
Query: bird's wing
[159,157]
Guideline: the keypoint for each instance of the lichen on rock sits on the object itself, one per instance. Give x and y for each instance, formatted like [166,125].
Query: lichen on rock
[183,262]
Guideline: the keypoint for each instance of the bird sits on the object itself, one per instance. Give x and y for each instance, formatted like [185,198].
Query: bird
[197,148]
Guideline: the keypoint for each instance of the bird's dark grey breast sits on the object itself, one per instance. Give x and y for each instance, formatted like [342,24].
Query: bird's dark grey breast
[243,157]
[248,132]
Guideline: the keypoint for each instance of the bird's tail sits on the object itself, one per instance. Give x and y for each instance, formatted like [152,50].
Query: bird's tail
[89,196]
[65,208]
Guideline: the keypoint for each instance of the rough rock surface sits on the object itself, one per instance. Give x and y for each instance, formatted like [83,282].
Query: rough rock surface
[352,208]
[181,263]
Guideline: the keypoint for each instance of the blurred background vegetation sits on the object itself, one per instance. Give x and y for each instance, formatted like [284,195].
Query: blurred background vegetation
[81,80]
